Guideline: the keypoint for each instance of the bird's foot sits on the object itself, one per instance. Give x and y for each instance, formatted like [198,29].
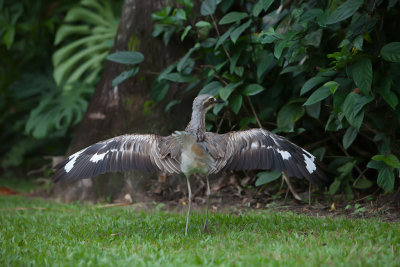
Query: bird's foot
[206,229]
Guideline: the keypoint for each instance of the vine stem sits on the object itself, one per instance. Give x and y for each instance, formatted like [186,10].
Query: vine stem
[254,112]
[219,35]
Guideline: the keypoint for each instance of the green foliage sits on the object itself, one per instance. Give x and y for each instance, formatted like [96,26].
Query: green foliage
[47,233]
[128,58]
[87,35]
[36,112]
[328,69]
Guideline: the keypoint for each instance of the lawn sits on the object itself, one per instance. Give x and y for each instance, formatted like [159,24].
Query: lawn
[46,233]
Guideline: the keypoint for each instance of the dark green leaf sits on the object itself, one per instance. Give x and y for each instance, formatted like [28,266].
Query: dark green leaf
[363,184]
[344,11]
[239,30]
[183,61]
[334,187]
[311,14]
[235,103]
[373,164]
[126,57]
[362,75]
[265,61]
[322,93]
[226,91]
[267,177]
[253,89]
[288,115]
[352,108]
[391,160]
[8,37]
[313,38]
[384,90]
[311,83]
[171,104]
[159,90]
[314,110]
[185,32]
[278,49]
[233,17]
[177,77]
[225,36]
[212,88]
[391,52]
[349,137]
[124,75]
[386,179]
[208,7]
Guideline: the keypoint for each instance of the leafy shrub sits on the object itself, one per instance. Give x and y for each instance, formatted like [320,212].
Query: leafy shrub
[87,36]
[326,70]
[36,112]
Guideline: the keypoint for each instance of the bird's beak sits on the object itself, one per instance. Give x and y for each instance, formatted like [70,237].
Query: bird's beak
[219,101]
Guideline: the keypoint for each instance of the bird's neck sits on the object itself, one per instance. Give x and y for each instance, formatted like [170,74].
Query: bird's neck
[197,124]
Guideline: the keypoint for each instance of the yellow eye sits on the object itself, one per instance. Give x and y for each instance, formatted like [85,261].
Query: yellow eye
[211,100]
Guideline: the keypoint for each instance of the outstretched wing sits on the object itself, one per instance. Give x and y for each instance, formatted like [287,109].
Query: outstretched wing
[122,153]
[261,149]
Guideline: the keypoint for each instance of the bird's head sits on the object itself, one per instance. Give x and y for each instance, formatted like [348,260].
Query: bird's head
[205,102]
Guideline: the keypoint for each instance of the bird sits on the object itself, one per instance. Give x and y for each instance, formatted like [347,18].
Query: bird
[193,151]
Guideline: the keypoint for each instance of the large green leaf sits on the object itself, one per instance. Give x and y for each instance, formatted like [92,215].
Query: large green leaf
[208,7]
[233,17]
[159,90]
[311,83]
[124,76]
[80,13]
[239,30]
[225,36]
[212,88]
[353,108]
[235,102]
[66,30]
[391,52]
[226,91]
[253,89]
[349,137]
[266,59]
[321,93]
[288,115]
[362,75]
[386,179]
[344,11]
[391,160]
[384,90]
[126,57]
[183,62]
[67,69]
[267,177]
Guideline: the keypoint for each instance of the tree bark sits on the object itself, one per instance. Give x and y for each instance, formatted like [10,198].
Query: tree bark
[128,107]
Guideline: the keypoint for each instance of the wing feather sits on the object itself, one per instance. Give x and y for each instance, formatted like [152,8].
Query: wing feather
[261,149]
[121,153]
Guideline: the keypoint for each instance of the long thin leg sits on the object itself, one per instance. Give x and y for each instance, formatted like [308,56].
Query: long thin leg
[190,204]
[208,193]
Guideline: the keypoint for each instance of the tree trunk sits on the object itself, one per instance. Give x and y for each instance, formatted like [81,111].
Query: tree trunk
[128,107]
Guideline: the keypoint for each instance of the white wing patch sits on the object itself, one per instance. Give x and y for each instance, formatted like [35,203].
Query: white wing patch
[97,157]
[309,161]
[72,159]
[285,155]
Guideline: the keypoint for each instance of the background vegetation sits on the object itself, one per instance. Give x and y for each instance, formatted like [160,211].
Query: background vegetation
[327,71]
[323,73]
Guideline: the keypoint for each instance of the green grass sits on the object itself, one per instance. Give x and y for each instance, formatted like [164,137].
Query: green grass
[73,235]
